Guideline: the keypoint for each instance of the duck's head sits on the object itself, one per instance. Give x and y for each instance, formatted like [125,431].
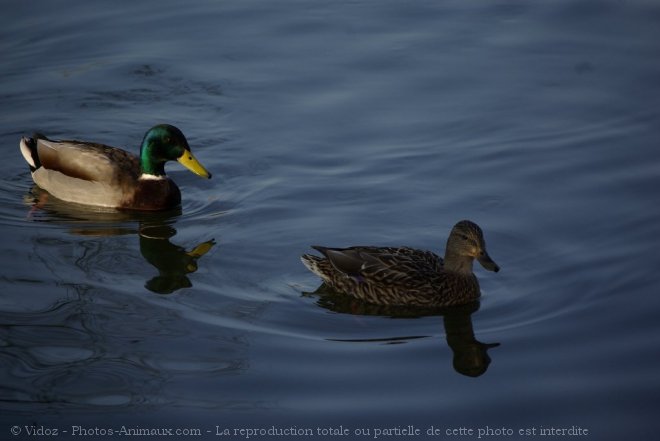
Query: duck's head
[164,143]
[466,243]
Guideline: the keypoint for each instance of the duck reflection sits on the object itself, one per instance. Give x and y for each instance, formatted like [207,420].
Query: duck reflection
[154,230]
[173,262]
[470,356]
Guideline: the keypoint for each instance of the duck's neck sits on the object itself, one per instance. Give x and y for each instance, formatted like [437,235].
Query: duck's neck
[458,264]
[148,165]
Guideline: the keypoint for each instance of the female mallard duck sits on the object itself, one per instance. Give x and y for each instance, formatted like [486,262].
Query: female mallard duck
[406,276]
[96,174]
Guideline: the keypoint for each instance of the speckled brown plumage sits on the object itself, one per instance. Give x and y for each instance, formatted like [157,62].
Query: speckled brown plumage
[406,276]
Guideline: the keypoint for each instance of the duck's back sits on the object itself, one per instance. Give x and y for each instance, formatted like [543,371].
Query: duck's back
[392,276]
[87,161]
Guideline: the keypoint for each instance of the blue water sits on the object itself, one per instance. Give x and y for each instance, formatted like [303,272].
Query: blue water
[336,123]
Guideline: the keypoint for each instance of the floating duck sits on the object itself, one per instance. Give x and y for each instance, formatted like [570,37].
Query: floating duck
[407,276]
[99,175]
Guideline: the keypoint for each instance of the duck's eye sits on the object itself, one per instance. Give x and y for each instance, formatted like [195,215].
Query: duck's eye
[463,236]
[167,140]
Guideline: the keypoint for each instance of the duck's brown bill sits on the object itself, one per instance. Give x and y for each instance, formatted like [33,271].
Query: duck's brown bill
[488,263]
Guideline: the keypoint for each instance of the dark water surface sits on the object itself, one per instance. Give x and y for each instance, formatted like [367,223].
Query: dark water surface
[337,123]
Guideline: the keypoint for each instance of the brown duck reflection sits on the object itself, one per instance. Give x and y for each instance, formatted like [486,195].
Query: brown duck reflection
[471,356]
[155,231]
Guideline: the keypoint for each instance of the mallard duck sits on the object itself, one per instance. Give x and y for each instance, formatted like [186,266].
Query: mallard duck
[406,276]
[96,174]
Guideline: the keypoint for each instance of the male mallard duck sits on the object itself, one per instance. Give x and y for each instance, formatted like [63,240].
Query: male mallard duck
[96,174]
[406,276]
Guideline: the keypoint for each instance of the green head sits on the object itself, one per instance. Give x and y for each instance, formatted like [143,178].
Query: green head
[164,143]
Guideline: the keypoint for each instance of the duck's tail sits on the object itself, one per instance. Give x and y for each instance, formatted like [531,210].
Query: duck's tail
[29,151]
[312,263]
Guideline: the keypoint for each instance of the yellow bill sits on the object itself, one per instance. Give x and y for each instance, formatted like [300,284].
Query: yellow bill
[191,163]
